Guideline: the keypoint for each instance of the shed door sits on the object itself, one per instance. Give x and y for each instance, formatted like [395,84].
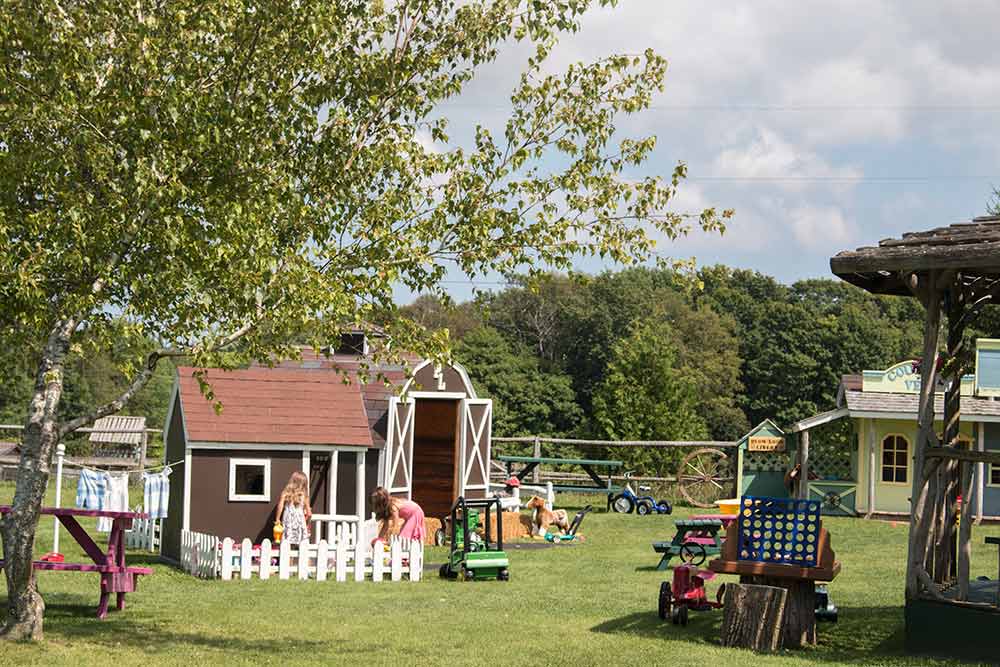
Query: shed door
[474,459]
[399,447]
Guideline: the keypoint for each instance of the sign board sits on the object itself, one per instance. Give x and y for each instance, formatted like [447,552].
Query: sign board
[904,378]
[766,443]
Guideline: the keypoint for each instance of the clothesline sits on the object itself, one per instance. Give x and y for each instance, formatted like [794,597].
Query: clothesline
[73,464]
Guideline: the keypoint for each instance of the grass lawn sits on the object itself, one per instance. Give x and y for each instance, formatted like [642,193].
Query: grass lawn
[590,604]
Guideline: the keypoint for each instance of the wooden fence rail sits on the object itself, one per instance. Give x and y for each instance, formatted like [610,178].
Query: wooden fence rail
[530,439]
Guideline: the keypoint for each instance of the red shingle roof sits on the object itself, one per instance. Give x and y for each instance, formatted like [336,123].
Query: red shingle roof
[275,405]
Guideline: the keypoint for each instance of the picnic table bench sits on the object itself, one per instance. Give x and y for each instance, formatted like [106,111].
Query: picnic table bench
[600,484]
[696,538]
[116,576]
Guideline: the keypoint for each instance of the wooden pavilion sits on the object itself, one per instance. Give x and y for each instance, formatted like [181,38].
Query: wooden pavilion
[955,272]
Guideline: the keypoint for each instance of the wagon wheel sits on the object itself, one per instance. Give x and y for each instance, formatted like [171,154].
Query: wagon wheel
[703,476]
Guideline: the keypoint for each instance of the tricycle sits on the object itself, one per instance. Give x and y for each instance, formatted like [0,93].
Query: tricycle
[627,501]
[687,593]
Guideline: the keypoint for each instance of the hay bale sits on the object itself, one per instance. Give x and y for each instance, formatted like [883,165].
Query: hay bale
[515,525]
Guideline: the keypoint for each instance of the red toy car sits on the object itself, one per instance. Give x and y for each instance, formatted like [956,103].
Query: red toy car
[687,592]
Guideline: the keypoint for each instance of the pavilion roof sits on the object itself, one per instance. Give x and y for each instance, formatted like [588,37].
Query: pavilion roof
[972,248]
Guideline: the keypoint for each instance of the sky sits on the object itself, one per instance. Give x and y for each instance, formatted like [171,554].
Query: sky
[825,125]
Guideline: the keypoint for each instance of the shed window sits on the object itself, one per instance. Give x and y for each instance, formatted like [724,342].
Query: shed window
[994,474]
[895,455]
[250,480]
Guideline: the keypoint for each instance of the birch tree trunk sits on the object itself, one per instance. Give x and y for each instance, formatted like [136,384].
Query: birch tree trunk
[25,607]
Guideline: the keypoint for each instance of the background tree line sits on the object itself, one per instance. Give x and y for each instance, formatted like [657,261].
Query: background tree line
[635,354]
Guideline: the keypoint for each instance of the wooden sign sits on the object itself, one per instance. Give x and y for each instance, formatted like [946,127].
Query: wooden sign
[766,443]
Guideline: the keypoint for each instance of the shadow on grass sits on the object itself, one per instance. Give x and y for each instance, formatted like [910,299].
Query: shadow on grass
[75,620]
[861,634]
[651,568]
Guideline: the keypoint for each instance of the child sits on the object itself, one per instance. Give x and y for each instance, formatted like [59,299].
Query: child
[293,509]
[388,509]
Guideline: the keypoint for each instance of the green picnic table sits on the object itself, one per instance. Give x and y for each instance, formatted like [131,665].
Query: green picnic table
[600,484]
[696,539]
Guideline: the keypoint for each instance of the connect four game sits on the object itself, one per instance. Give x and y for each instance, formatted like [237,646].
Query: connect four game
[779,530]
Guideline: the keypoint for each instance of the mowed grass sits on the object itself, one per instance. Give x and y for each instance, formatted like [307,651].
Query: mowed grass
[589,604]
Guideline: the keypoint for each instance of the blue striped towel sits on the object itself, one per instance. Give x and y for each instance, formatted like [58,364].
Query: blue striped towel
[90,489]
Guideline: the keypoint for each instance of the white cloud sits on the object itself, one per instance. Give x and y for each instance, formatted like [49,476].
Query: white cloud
[820,227]
[769,158]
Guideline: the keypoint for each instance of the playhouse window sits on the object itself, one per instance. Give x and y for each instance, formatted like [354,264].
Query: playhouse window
[895,455]
[994,474]
[250,480]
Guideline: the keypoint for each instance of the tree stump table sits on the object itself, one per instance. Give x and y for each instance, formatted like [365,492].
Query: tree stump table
[798,622]
[753,617]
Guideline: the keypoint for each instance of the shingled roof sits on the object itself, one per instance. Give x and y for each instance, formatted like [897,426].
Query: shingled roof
[973,408]
[281,406]
[972,247]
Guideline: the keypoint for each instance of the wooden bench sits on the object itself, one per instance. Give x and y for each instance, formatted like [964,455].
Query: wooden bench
[695,540]
[781,542]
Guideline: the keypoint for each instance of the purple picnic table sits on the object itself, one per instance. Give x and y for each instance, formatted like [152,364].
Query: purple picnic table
[116,577]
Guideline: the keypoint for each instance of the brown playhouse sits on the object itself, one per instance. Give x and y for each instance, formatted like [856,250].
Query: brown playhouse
[430,444]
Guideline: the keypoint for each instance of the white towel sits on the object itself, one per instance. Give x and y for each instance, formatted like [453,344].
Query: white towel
[156,493]
[115,499]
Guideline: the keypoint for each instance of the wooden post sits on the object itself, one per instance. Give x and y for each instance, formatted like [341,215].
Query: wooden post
[965,532]
[536,451]
[804,465]
[948,482]
[981,471]
[753,617]
[920,517]
[872,464]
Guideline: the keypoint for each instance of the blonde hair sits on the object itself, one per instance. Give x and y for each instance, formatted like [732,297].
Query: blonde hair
[296,491]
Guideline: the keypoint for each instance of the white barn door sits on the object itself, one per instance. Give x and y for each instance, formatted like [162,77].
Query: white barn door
[474,459]
[399,447]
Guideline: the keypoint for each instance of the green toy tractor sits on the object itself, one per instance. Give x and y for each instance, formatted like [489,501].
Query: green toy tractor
[473,557]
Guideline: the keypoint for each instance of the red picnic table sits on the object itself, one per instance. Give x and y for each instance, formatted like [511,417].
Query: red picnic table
[116,577]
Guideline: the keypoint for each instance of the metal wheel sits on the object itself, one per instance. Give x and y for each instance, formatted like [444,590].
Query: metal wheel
[675,615]
[684,614]
[693,553]
[643,507]
[665,601]
[467,574]
[704,476]
[622,504]
[503,575]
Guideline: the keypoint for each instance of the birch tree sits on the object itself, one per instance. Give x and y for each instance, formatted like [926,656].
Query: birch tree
[222,176]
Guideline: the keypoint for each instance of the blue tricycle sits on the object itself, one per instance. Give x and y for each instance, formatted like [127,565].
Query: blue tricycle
[627,501]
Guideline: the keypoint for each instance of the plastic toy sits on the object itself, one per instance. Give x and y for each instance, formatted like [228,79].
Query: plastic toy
[687,593]
[570,534]
[627,501]
[472,557]
[825,609]
[278,531]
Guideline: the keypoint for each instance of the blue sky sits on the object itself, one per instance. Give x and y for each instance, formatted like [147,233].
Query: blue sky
[825,125]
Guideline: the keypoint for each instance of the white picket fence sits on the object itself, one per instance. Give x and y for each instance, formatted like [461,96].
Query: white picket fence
[337,561]
[144,534]
[200,554]
[208,557]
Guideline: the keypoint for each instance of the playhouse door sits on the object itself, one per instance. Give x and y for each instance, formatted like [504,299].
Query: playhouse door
[474,447]
[399,447]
